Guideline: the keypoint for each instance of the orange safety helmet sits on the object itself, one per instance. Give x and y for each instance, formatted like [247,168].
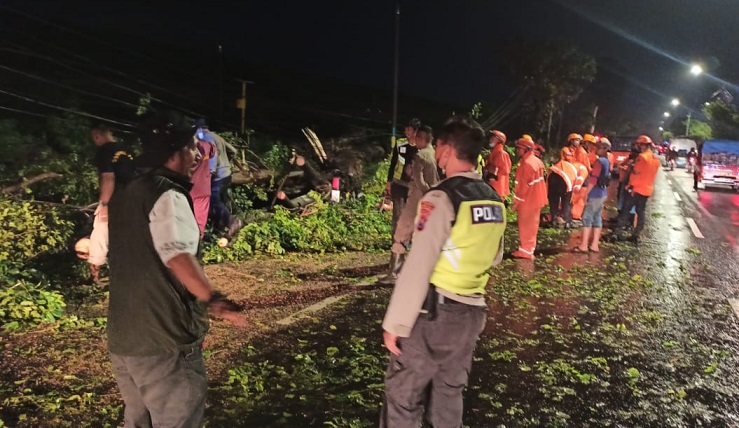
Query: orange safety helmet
[574,136]
[590,138]
[644,139]
[525,143]
[528,137]
[497,134]
[566,154]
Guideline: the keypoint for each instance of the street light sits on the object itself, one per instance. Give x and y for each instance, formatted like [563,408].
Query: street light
[675,102]
[661,128]
[667,114]
[696,70]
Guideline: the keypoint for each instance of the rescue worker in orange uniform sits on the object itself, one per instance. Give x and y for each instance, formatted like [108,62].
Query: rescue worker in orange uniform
[590,141]
[498,166]
[582,157]
[640,187]
[562,178]
[529,196]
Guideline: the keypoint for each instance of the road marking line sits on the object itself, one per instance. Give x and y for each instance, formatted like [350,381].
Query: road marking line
[694,228]
[677,196]
[735,306]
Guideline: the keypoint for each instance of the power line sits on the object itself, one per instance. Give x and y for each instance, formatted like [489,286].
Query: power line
[46,116]
[30,53]
[71,88]
[90,62]
[81,113]
[94,39]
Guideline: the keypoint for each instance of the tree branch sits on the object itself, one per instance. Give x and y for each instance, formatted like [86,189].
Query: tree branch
[15,188]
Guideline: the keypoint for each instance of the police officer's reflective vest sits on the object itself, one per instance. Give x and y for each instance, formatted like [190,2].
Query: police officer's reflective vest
[480,164]
[474,239]
[405,152]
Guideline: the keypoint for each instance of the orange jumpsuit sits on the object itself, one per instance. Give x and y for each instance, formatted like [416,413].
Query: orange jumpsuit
[579,194]
[529,196]
[582,156]
[499,163]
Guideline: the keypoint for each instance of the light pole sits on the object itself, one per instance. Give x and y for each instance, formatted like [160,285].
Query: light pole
[687,125]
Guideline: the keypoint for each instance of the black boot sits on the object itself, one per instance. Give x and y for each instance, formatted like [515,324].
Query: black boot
[396,262]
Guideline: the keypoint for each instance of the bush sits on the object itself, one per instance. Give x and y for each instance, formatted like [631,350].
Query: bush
[27,231]
[26,304]
[353,225]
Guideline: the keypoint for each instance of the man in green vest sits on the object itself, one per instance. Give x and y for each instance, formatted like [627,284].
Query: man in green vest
[437,310]
[159,295]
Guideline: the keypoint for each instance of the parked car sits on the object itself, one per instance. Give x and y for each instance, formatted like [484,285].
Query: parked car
[719,164]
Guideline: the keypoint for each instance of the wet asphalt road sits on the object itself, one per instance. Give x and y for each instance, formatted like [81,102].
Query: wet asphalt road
[715,215]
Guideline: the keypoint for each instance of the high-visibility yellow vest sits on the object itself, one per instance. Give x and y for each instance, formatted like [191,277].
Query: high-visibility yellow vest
[405,152]
[474,239]
[480,164]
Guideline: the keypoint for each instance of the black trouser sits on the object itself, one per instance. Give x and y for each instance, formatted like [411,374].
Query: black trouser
[432,371]
[634,200]
[695,177]
[557,194]
[399,195]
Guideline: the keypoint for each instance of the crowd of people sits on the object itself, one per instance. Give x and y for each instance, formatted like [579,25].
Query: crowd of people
[449,218]
[436,312]
[210,182]
[574,187]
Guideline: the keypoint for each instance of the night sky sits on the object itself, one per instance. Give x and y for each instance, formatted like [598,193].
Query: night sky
[448,49]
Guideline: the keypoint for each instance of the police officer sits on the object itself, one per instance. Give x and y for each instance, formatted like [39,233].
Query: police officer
[437,310]
[398,178]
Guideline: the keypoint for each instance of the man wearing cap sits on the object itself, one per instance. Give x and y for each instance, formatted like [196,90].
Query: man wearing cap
[220,167]
[159,295]
[529,196]
[398,178]
[596,188]
[499,164]
[201,180]
[640,187]
[437,310]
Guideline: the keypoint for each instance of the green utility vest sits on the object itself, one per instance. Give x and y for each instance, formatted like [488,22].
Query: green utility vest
[474,239]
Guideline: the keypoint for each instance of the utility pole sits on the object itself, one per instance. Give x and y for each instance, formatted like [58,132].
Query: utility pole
[595,114]
[241,104]
[687,125]
[395,69]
